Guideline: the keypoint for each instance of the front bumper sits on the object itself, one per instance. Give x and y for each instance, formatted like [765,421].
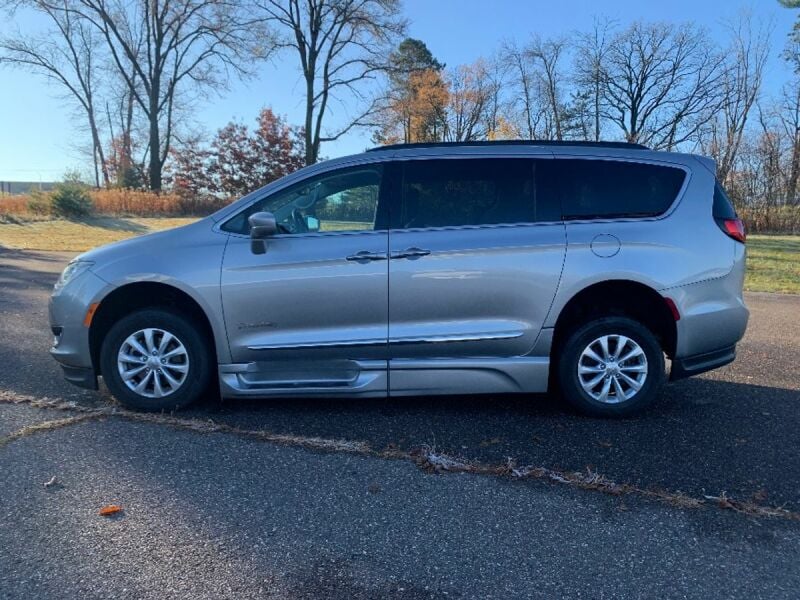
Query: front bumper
[67,308]
[700,363]
[80,376]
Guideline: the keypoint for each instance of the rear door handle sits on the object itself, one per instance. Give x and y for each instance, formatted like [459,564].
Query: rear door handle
[410,253]
[366,256]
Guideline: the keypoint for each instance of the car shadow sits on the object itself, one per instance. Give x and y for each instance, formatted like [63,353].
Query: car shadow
[704,436]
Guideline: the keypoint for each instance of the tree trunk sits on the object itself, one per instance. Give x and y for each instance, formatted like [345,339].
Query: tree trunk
[154,168]
[311,154]
[794,173]
[98,152]
[597,107]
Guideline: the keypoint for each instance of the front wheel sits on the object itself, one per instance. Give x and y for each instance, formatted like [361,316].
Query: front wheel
[611,366]
[155,360]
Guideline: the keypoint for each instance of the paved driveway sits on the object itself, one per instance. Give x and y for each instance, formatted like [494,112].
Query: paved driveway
[228,514]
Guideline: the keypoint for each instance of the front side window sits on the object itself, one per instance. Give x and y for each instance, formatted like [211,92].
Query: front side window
[604,189]
[333,202]
[464,192]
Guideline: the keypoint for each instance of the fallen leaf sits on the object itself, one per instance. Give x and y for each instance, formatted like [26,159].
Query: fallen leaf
[110,509]
[374,488]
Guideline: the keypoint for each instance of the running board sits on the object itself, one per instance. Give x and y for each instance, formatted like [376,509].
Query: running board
[334,378]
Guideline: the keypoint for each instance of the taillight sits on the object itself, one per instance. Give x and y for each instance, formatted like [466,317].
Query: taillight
[733,228]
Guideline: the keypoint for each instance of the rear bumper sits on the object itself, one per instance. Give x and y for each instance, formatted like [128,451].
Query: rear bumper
[700,363]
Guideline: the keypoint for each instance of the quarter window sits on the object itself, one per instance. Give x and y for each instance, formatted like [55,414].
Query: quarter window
[723,207]
[463,192]
[596,189]
[341,201]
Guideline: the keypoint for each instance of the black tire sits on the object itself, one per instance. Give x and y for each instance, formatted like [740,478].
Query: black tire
[197,348]
[570,355]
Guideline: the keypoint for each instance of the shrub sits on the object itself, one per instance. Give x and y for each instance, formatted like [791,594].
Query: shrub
[39,203]
[771,219]
[71,200]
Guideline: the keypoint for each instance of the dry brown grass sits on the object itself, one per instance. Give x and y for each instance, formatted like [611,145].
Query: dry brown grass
[771,219]
[75,236]
[132,202]
[112,202]
[14,205]
[47,426]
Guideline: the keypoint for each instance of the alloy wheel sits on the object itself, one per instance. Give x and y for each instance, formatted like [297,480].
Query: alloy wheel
[612,369]
[153,362]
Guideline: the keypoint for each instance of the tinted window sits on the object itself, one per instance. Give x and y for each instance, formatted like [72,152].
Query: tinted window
[458,192]
[340,201]
[606,188]
[723,207]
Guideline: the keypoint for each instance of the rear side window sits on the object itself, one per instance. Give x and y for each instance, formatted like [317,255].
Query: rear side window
[463,192]
[723,207]
[603,189]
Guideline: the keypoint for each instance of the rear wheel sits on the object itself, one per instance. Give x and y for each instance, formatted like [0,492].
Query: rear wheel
[155,360]
[611,366]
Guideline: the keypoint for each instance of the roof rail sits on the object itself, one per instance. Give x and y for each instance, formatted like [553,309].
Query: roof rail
[625,145]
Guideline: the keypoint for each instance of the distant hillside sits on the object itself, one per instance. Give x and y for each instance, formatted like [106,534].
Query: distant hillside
[23,187]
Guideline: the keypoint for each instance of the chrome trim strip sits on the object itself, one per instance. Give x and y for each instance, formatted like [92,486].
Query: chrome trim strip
[458,337]
[431,339]
[301,345]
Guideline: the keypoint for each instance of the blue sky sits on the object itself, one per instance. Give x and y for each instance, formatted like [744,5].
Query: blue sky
[39,132]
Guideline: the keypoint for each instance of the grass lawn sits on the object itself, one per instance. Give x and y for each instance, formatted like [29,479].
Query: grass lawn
[773,263]
[79,236]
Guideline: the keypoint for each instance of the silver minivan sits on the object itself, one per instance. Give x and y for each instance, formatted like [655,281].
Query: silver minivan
[421,269]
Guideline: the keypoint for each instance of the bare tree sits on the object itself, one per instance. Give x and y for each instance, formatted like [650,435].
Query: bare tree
[469,100]
[746,59]
[524,96]
[163,47]
[539,78]
[662,83]
[342,45]
[590,70]
[66,53]
[546,56]
[788,118]
[494,78]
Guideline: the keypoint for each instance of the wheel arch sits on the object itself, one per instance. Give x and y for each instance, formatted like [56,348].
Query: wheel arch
[139,295]
[618,297]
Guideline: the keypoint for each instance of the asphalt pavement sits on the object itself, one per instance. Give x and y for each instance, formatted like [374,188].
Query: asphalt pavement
[209,515]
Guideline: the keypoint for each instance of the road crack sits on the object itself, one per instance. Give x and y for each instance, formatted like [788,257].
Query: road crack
[46,426]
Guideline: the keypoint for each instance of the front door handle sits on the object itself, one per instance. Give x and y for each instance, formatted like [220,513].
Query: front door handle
[411,253]
[366,256]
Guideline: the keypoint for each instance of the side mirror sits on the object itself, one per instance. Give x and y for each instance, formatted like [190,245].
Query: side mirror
[262,225]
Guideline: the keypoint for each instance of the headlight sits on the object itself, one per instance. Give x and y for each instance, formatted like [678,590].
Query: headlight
[75,268]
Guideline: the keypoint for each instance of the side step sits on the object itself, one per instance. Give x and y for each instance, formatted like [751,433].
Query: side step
[331,378]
